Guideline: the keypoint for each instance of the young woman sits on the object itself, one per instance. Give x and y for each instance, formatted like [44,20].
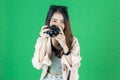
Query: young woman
[58,56]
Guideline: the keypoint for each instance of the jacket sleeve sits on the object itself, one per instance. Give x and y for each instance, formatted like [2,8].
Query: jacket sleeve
[35,60]
[75,51]
[75,55]
[76,58]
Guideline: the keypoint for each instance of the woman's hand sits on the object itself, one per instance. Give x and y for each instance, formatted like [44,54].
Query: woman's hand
[42,34]
[60,38]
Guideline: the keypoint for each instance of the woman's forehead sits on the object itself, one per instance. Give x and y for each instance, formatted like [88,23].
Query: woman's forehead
[57,16]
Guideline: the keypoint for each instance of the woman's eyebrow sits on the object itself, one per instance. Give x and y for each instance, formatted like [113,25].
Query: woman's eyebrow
[54,19]
[57,19]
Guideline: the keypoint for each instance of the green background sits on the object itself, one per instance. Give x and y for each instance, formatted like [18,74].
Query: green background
[96,24]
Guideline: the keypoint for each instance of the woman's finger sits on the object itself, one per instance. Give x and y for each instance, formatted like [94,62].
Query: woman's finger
[45,26]
[61,31]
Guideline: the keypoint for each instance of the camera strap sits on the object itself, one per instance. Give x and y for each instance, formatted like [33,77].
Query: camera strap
[68,77]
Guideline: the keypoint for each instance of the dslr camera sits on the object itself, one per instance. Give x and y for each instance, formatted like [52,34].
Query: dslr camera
[54,31]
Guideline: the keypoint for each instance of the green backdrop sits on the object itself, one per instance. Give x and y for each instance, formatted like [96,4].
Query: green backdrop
[96,24]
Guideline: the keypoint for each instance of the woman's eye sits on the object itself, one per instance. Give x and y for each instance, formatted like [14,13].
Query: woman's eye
[54,21]
[62,21]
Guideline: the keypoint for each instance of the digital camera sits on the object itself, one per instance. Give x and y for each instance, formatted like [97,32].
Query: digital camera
[54,31]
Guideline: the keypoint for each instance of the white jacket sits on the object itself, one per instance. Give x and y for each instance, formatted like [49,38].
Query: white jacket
[75,55]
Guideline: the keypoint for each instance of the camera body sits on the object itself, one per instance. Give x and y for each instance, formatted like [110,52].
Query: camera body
[54,31]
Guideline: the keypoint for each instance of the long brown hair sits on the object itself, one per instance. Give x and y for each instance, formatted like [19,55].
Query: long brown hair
[67,30]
